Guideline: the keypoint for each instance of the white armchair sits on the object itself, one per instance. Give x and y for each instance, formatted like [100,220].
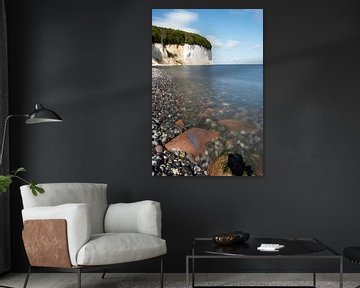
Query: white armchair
[72,228]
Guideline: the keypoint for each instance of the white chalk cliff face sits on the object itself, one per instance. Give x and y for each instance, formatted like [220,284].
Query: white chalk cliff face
[186,54]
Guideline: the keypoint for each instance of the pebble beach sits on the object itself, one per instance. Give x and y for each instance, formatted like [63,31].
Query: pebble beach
[165,113]
[174,134]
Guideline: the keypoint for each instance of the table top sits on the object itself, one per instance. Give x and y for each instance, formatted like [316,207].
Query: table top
[292,247]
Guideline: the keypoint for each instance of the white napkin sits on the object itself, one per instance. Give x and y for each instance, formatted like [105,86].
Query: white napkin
[270,247]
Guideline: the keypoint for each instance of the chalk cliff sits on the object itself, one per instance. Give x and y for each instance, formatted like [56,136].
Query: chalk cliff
[174,54]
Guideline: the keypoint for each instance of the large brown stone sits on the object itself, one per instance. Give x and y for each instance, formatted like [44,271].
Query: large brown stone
[218,167]
[237,125]
[192,141]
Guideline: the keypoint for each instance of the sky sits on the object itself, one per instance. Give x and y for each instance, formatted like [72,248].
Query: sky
[236,35]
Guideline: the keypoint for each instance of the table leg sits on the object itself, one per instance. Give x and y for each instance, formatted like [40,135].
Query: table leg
[193,267]
[314,271]
[341,273]
[193,272]
[187,272]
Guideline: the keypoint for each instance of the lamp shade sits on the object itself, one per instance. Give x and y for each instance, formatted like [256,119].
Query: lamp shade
[42,115]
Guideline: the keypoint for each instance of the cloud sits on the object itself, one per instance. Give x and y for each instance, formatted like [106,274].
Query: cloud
[231,44]
[177,19]
[257,14]
[217,43]
[254,47]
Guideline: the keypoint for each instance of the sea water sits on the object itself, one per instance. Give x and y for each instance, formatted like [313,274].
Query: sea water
[211,93]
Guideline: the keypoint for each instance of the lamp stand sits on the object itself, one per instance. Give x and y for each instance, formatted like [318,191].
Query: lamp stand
[4,135]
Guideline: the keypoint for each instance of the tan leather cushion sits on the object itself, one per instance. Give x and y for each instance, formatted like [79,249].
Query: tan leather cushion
[77,218]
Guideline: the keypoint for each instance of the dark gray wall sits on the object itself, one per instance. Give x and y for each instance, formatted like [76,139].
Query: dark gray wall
[4,166]
[90,61]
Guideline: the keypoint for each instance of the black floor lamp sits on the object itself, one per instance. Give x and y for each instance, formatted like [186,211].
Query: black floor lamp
[39,115]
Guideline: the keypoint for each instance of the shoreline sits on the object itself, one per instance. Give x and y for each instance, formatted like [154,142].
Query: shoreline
[215,64]
[156,64]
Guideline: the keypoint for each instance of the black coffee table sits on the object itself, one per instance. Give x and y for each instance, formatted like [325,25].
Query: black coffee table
[295,248]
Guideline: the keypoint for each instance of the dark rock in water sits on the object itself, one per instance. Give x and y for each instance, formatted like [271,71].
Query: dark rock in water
[228,164]
[237,165]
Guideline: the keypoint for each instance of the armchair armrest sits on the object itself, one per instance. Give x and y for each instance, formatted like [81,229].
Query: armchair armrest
[138,217]
[77,217]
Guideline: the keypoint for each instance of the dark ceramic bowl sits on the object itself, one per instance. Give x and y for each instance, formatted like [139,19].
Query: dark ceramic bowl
[241,236]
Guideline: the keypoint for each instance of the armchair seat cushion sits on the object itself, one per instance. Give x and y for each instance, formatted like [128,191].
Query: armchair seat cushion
[113,248]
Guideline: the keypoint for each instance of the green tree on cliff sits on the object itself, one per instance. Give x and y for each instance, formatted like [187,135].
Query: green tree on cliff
[179,37]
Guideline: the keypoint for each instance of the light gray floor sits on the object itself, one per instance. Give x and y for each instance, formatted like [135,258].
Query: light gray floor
[118,280]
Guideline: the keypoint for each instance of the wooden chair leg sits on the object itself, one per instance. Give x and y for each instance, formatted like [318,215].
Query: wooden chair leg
[27,277]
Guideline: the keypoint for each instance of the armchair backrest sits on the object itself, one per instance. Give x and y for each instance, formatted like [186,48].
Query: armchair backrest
[55,194]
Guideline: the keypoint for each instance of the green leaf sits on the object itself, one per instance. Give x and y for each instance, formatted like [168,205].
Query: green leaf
[20,169]
[36,189]
[39,189]
[33,189]
[5,182]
